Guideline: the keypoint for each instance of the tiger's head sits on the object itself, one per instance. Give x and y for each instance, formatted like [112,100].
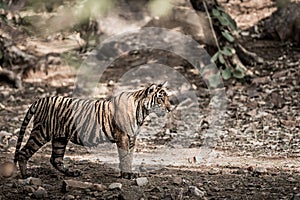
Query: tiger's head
[156,96]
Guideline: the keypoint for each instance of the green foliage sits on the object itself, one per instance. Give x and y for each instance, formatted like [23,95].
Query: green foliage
[42,6]
[214,80]
[226,73]
[224,18]
[238,72]
[4,7]
[281,3]
[221,59]
[211,75]
[225,53]
[72,59]
[224,22]
[214,58]
[228,51]
[92,8]
[227,35]
[160,7]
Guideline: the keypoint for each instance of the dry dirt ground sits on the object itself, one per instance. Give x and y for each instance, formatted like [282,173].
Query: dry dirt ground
[257,151]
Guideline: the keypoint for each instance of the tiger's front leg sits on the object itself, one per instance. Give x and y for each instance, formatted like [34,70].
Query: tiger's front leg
[125,149]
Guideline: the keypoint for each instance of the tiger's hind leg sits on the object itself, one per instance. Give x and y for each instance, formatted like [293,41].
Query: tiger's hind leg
[36,140]
[58,151]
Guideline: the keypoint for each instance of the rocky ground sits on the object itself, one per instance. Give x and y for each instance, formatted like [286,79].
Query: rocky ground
[257,149]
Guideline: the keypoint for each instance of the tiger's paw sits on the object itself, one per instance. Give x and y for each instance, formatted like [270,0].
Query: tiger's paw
[129,175]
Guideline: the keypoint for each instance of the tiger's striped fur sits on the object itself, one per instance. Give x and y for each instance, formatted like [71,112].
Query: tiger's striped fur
[88,123]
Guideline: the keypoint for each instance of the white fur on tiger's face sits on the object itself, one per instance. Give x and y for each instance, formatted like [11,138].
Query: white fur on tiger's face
[157,97]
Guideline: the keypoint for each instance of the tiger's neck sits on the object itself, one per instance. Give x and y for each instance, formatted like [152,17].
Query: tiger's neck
[129,109]
[141,111]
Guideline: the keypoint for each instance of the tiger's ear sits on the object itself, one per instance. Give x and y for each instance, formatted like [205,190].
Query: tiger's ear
[164,84]
[151,89]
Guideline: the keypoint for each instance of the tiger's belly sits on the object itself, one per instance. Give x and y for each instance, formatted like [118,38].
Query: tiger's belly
[90,138]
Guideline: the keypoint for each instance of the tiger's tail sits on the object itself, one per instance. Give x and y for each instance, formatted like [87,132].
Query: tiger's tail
[31,111]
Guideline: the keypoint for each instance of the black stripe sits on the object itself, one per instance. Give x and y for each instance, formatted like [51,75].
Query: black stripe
[45,135]
[59,111]
[36,141]
[39,112]
[79,115]
[92,133]
[137,114]
[51,114]
[59,147]
[109,121]
[57,155]
[32,109]
[48,131]
[103,120]
[87,120]
[61,140]
[68,114]
[30,148]
[98,113]
[27,156]
[77,139]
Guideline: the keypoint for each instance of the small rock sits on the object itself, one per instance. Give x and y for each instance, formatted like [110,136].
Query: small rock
[156,190]
[143,169]
[292,180]
[29,189]
[296,196]
[260,170]
[141,181]
[213,171]
[22,181]
[179,194]
[114,196]
[154,197]
[177,180]
[115,186]
[215,189]
[240,171]
[96,194]
[250,168]
[7,169]
[48,187]
[69,197]
[34,181]
[99,187]
[40,193]
[196,192]
[68,184]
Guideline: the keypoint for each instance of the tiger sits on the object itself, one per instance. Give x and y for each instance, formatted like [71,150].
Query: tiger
[89,122]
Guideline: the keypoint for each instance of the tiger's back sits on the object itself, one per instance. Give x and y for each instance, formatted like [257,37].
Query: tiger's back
[68,117]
